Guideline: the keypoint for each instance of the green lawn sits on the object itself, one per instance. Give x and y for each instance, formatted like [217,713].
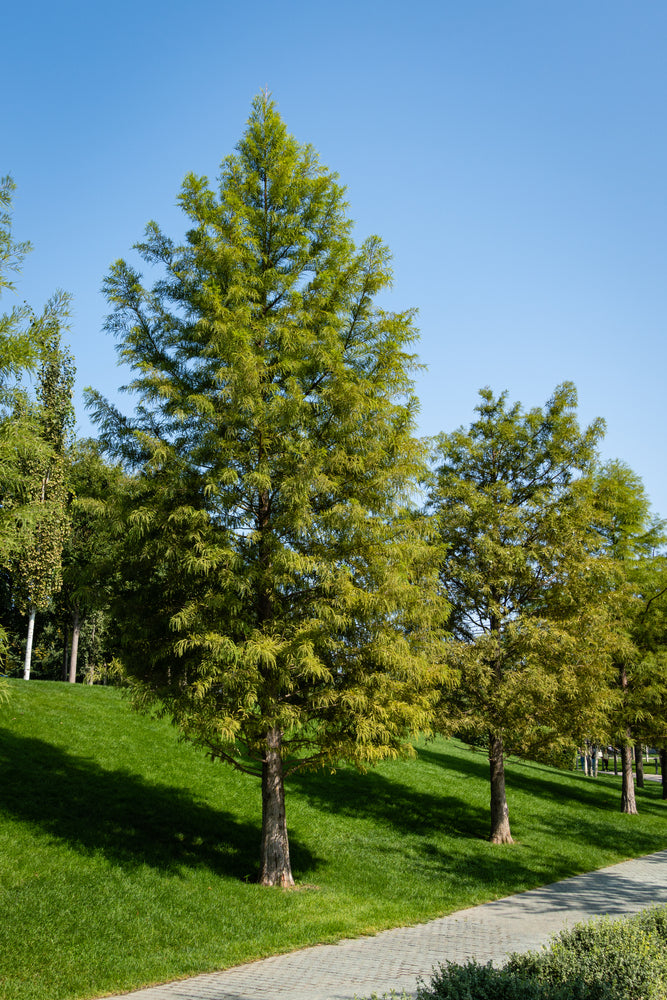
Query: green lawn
[128,858]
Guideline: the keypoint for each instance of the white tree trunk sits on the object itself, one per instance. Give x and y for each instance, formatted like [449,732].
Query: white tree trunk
[76,631]
[28,645]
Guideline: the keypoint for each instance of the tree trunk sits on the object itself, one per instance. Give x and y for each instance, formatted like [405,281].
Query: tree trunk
[615,761]
[628,804]
[639,765]
[65,651]
[28,645]
[663,770]
[76,631]
[500,817]
[275,861]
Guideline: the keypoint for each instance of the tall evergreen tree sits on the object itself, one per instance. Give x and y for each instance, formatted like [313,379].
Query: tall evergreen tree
[530,598]
[280,596]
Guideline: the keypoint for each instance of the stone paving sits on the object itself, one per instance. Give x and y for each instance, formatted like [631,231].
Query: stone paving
[396,959]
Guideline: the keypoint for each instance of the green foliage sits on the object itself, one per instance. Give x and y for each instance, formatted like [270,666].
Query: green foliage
[473,981]
[635,539]
[532,600]
[17,350]
[43,524]
[33,495]
[604,960]
[275,574]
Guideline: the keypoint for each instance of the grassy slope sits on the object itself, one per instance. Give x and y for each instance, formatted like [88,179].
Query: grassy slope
[127,858]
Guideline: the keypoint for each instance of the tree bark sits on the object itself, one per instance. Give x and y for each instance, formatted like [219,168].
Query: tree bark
[500,817]
[615,761]
[28,644]
[639,765]
[65,651]
[76,631]
[628,804]
[275,860]
[663,770]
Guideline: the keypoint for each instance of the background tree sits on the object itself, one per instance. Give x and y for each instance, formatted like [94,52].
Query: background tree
[89,556]
[43,528]
[635,539]
[19,353]
[513,501]
[27,340]
[280,598]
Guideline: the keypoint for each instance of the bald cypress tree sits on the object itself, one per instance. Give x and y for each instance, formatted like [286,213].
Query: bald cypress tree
[533,622]
[280,598]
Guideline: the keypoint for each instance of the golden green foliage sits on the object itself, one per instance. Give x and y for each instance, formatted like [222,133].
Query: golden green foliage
[534,601]
[275,573]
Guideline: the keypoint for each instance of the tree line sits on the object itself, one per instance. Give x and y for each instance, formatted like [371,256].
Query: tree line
[266,552]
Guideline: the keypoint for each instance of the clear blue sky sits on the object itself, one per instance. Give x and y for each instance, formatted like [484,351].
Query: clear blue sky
[513,156]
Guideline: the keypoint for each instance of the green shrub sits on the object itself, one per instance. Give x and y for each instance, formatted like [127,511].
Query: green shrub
[485,982]
[605,959]
[614,959]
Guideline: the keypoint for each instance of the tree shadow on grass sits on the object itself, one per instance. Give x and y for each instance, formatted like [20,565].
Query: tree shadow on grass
[391,803]
[596,801]
[444,835]
[126,819]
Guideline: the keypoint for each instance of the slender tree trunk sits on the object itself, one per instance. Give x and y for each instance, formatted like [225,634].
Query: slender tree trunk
[76,631]
[65,651]
[28,645]
[615,761]
[663,772]
[90,669]
[628,804]
[639,765]
[500,817]
[275,861]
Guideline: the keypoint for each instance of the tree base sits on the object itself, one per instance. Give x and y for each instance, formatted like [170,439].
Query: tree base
[284,881]
[501,838]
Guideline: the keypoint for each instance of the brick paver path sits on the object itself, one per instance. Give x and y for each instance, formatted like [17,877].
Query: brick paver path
[396,959]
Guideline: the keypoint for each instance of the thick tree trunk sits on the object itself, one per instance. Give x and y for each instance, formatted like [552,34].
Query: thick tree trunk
[639,765]
[28,645]
[76,631]
[500,817]
[275,861]
[628,804]
[663,772]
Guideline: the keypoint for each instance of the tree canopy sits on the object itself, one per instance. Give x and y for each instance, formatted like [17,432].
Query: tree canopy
[531,596]
[280,595]
[33,431]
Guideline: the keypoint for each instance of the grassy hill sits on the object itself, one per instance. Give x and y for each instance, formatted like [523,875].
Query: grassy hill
[128,858]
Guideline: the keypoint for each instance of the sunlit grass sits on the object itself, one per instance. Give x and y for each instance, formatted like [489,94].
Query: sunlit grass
[127,857]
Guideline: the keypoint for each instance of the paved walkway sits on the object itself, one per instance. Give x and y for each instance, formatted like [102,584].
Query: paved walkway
[396,959]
